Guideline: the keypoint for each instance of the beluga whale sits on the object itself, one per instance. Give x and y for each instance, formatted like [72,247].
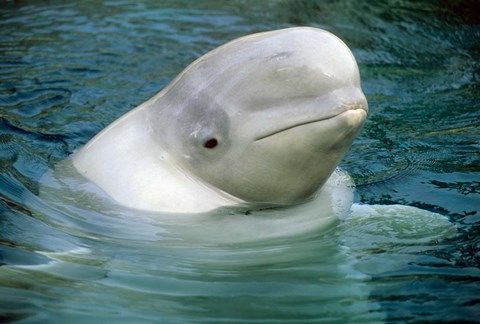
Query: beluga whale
[265,118]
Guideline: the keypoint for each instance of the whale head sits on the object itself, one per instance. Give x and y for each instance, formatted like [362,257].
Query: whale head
[265,118]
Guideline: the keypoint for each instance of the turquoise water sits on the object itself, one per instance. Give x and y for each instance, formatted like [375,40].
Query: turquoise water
[69,69]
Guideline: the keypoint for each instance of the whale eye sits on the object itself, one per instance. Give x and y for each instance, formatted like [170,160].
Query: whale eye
[211,143]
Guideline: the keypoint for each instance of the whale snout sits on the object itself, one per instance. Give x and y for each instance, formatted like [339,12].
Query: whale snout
[359,105]
[355,113]
[349,100]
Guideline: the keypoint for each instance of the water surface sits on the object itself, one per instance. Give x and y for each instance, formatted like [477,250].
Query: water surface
[69,69]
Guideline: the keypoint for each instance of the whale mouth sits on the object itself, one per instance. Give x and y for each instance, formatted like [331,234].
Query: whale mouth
[352,107]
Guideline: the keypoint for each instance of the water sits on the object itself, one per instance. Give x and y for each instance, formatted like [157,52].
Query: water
[68,70]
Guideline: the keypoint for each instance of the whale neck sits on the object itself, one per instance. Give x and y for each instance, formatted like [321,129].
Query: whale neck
[134,170]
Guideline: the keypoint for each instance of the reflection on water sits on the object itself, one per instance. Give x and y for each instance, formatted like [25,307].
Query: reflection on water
[68,70]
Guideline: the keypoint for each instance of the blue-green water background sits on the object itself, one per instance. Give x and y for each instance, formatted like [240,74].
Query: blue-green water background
[69,69]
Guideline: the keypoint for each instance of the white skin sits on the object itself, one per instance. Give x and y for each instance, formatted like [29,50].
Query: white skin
[265,118]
